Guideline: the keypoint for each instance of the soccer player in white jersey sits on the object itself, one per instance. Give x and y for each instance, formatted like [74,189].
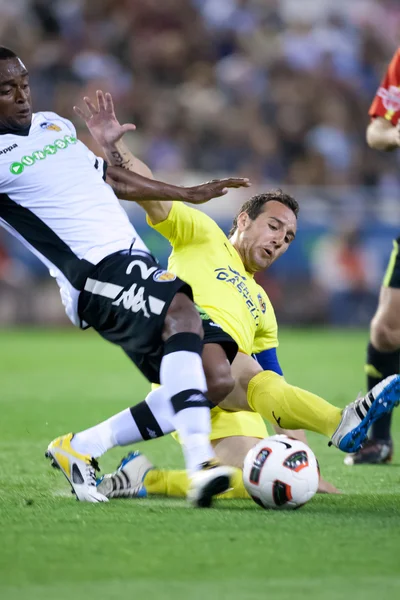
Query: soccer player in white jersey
[53,198]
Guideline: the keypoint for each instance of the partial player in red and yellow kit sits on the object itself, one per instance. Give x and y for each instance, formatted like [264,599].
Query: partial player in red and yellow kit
[386,105]
[383,354]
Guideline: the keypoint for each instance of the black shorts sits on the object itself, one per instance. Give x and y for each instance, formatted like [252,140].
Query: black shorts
[126,300]
[392,275]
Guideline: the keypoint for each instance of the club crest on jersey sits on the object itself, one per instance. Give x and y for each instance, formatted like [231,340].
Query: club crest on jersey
[162,275]
[50,126]
[261,300]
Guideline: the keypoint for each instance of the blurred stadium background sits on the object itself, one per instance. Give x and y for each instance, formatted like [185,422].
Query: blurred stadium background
[275,90]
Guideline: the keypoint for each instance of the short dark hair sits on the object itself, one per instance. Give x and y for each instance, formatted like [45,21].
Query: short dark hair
[254,206]
[6,53]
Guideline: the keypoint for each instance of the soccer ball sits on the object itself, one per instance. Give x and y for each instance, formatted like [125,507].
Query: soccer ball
[281,473]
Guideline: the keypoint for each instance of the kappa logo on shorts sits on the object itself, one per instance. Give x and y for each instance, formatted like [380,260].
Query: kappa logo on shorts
[133,300]
[162,276]
[261,300]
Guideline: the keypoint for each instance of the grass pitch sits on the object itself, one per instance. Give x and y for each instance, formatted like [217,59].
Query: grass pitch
[51,547]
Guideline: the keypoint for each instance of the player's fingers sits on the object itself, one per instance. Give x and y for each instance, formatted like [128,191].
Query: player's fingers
[128,127]
[324,487]
[236,182]
[80,113]
[91,106]
[109,103]
[101,100]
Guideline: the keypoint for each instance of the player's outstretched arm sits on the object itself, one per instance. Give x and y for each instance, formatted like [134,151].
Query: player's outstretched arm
[135,187]
[105,128]
[382,135]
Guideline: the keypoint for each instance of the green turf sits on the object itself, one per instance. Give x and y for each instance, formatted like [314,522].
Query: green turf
[52,547]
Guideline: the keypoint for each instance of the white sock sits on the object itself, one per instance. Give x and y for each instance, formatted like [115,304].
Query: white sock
[98,439]
[149,419]
[159,403]
[182,375]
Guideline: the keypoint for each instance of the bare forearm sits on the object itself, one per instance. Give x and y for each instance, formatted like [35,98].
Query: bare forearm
[135,187]
[382,135]
[148,192]
[119,155]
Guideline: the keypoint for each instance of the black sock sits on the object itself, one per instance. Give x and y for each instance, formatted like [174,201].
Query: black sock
[379,366]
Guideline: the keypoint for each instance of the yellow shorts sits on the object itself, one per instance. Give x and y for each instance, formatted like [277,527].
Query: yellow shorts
[242,423]
[226,423]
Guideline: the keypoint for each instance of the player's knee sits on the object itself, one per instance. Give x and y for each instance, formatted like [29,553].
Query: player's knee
[233,450]
[219,386]
[182,317]
[383,337]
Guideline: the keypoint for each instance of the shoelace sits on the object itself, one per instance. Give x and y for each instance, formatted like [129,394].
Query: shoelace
[91,469]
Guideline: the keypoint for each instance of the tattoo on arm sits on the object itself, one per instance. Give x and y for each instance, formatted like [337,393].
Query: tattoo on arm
[118,160]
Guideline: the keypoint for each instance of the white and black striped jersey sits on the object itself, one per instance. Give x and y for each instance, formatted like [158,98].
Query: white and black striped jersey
[54,198]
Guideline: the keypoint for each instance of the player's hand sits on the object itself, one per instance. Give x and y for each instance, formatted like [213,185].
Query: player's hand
[324,487]
[392,133]
[204,192]
[397,134]
[101,120]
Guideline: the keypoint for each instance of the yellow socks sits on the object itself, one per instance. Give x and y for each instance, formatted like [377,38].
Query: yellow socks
[160,482]
[291,407]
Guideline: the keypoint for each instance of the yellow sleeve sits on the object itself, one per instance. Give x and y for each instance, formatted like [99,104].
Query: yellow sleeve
[267,331]
[185,225]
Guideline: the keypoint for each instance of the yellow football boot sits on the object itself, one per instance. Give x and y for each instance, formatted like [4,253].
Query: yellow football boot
[79,469]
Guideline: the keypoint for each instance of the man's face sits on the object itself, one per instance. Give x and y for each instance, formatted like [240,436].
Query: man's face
[262,241]
[15,95]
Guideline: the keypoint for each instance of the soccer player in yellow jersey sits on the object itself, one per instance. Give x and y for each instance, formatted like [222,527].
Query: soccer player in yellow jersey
[220,271]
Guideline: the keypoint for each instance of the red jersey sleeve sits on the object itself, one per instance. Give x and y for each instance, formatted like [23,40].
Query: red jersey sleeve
[386,103]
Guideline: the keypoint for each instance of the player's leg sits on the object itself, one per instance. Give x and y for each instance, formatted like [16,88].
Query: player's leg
[183,377]
[291,407]
[153,417]
[114,321]
[383,359]
[232,436]
[137,477]
[229,451]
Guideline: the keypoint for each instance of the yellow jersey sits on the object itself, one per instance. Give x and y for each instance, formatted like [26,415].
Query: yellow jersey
[203,257]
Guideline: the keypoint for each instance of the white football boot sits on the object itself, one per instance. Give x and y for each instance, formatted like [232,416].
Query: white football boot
[79,469]
[212,479]
[358,416]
